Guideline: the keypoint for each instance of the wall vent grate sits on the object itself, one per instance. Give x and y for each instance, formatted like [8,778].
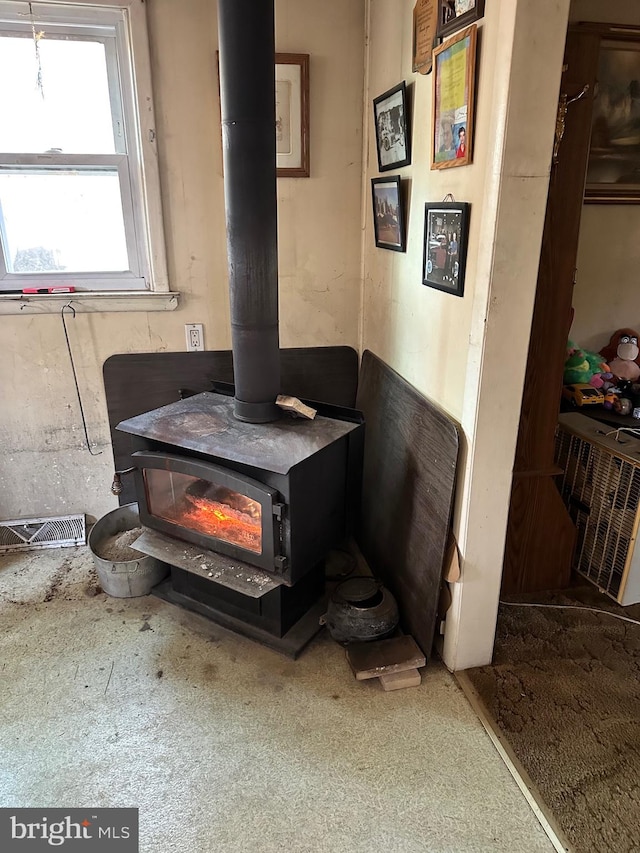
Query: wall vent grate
[56,532]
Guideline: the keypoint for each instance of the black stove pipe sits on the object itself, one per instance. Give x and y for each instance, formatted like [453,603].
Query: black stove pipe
[247,88]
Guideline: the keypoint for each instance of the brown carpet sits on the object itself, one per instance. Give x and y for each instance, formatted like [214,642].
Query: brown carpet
[564,690]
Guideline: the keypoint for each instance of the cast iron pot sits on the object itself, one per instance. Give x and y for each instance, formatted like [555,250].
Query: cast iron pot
[361,609]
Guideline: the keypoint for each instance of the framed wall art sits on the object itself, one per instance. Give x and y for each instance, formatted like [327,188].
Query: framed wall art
[613,171]
[446,235]
[425,26]
[393,142]
[388,214]
[454,64]
[454,14]
[292,115]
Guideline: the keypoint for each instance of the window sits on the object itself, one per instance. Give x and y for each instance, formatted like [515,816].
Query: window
[79,187]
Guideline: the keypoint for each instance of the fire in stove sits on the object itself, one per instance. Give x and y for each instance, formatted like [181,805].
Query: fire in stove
[228,516]
[205,507]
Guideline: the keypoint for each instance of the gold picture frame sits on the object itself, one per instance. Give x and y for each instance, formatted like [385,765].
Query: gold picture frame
[454,65]
[292,115]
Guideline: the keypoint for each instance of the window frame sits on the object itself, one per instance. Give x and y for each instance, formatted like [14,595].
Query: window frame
[137,164]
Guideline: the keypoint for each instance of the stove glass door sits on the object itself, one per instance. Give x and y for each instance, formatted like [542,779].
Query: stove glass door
[205,507]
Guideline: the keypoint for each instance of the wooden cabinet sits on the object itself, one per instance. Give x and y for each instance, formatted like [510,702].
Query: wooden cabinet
[540,533]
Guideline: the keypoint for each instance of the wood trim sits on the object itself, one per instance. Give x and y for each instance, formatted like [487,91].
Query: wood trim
[606,31]
[520,775]
[85,302]
[550,472]
[540,533]
[541,538]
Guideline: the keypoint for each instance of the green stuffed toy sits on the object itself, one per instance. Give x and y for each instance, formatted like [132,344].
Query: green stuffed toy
[584,367]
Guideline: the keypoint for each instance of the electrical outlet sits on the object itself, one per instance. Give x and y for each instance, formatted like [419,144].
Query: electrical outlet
[195,337]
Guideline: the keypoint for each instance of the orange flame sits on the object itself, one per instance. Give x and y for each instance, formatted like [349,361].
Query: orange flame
[223,522]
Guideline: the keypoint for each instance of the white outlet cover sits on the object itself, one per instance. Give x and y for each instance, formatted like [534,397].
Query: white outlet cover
[194,335]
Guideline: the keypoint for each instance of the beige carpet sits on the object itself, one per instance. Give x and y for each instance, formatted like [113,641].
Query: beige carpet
[224,745]
[565,692]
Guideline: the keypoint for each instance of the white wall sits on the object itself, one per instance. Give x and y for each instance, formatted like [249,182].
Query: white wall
[44,468]
[606,294]
[421,332]
[469,355]
[605,297]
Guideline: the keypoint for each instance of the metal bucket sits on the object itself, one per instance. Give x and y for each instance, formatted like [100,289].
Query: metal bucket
[131,578]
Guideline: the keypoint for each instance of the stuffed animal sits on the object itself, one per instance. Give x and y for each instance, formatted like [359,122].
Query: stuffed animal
[583,367]
[623,355]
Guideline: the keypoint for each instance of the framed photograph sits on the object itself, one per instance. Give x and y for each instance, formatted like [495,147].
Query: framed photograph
[446,235]
[292,115]
[453,14]
[388,216]
[454,65]
[392,131]
[613,171]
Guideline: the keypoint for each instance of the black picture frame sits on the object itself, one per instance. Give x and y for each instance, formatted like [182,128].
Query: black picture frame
[388,213]
[391,122]
[446,236]
[451,17]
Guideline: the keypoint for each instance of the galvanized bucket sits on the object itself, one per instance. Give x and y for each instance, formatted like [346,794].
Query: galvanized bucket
[131,578]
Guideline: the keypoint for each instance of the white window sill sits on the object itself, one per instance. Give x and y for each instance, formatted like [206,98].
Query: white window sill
[85,302]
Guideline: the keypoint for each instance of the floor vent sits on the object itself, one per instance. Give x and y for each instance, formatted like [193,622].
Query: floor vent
[27,533]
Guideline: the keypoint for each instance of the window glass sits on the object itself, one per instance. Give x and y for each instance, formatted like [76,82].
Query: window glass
[57,98]
[79,184]
[63,221]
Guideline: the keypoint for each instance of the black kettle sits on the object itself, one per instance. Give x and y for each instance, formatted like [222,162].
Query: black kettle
[361,609]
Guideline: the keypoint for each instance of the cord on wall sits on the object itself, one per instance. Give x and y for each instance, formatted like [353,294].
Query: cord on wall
[75,378]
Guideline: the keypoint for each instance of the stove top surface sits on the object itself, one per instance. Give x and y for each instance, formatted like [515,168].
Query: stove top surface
[206,424]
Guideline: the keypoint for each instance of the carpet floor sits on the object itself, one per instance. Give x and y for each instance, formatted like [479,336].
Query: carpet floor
[564,691]
[223,745]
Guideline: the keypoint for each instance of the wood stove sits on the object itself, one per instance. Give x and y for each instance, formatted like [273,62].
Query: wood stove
[247,492]
[270,497]
[277,496]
